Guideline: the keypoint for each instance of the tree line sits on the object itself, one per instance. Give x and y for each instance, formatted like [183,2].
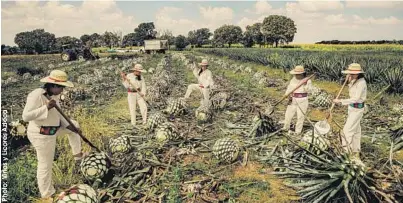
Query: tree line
[274,30]
[362,42]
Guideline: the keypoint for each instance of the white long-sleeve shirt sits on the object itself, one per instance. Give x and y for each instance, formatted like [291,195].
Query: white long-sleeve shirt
[37,114]
[205,78]
[306,88]
[138,84]
[357,92]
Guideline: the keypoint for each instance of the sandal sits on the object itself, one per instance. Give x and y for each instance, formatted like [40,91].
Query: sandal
[84,154]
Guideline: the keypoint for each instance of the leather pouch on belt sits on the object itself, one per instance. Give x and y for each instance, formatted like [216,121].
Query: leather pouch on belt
[48,130]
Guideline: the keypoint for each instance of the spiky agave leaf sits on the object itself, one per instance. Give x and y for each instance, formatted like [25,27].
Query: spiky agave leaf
[330,177]
[394,77]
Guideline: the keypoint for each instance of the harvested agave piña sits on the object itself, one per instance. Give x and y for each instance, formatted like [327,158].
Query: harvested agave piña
[323,100]
[120,144]
[95,166]
[262,125]
[330,176]
[176,106]
[166,132]
[219,100]
[80,193]
[226,150]
[155,120]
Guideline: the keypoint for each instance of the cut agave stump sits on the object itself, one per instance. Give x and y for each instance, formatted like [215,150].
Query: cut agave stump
[204,113]
[120,144]
[219,100]
[226,150]
[80,193]
[95,166]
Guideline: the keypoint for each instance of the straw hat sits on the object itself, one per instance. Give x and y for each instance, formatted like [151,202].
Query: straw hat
[321,127]
[353,68]
[204,62]
[57,77]
[298,70]
[138,67]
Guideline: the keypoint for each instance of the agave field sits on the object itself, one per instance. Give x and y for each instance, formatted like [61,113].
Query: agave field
[229,150]
[382,68]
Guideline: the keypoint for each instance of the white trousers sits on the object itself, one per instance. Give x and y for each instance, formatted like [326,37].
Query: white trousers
[45,151]
[194,87]
[292,109]
[133,99]
[352,130]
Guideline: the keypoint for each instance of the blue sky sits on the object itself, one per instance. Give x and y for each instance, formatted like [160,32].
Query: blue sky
[315,20]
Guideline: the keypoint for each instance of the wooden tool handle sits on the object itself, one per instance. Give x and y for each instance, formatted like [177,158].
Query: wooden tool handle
[285,96]
[333,104]
[71,123]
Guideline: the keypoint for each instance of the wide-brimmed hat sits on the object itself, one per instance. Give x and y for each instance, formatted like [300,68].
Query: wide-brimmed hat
[204,62]
[353,68]
[321,128]
[57,77]
[138,67]
[297,70]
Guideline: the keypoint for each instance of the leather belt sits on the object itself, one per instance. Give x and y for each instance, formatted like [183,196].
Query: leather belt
[128,90]
[299,95]
[357,105]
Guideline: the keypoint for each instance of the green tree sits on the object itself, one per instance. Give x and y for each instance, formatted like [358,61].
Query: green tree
[110,39]
[278,29]
[86,39]
[96,40]
[199,37]
[145,31]
[129,40]
[35,41]
[227,34]
[181,42]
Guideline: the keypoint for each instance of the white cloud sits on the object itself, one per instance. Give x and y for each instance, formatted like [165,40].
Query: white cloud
[170,18]
[335,19]
[322,5]
[391,20]
[63,19]
[373,4]
[216,13]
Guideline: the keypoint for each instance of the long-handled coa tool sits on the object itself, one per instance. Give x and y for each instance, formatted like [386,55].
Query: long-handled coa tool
[271,109]
[74,127]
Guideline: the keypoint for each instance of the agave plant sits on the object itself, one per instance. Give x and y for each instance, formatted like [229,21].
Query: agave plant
[330,176]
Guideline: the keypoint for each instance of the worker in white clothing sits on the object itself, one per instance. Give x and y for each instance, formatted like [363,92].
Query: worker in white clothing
[45,124]
[136,91]
[298,100]
[358,94]
[205,79]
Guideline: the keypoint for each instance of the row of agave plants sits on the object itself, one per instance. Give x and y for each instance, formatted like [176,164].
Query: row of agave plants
[380,69]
